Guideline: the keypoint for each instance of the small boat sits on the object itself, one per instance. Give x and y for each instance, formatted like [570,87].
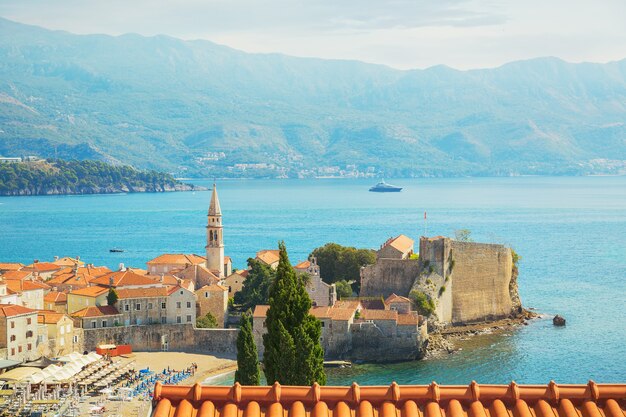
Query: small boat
[383,187]
[117,250]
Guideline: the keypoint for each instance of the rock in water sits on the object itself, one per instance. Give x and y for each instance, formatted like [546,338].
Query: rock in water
[558,321]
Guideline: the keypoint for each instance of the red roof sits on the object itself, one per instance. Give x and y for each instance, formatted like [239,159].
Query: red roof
[394,298]
[474,400]
[10,310]
[149,292]
[10,266]
[17,275]
[98,311]
[303,265]
[18,286]
[43,267]
[367,314]
[260,311]
[48,317]
[55,297]
[177,259]
[124,278]
[90,291]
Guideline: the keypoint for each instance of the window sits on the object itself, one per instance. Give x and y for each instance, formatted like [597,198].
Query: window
[13,325]
[61,342]
[264,324]
[178,304]
[178,319]
[93,324]
[29,333]
[163,320]
[12,338]
[104,323]
[126,307]
[19,349]
[323,324]
[181,293]
[149,306]
[188,304]
[206,294]
[116,323]
[62,330]
[75,339]
[12,351]
[163,306]
[29,321]
[137,306]
[189,319]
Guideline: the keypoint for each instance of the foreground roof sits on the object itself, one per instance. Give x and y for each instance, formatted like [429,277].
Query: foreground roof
[474,400]
[10,310]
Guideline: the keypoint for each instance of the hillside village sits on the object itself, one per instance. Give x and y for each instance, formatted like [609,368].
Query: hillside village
[53,308]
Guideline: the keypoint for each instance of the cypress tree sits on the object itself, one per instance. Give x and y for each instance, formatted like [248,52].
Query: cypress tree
[247,357]
[293,352]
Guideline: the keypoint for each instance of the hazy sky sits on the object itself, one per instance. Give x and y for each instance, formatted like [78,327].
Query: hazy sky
[399,33]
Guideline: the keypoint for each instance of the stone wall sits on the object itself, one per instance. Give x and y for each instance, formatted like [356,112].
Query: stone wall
[389,276]
[179,337]
[371,344]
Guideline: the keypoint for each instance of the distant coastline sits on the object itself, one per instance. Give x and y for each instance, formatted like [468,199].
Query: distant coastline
[59,177]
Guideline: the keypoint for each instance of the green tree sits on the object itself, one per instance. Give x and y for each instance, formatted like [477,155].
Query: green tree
[247,357]
[256,286]
[207,321]
[293,352]
[112,297]
[339,263]
[344,289]
[422,302]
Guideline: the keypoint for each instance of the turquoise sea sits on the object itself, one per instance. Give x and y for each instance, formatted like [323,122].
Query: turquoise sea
[570,232]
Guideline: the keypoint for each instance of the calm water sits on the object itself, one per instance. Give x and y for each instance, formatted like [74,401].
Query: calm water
[570,232]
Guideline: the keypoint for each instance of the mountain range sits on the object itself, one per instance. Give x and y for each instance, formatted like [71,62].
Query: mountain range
[196,108]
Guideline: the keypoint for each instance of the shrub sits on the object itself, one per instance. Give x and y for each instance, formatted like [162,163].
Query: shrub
[206,322]
[422,303]
[442,290]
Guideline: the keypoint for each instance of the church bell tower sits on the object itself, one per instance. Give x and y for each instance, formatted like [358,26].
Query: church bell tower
[215,238]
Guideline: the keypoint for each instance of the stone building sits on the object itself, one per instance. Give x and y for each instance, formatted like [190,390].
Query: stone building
[86,297]
[399,247]
[18,332]
[55,301]
[152,305]
[60,331]
[321,293]
[30,292]
[398,303]
[212,299]
[95,317]
[234,282]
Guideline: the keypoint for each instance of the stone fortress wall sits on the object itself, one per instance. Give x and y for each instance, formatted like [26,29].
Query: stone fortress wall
[470,282]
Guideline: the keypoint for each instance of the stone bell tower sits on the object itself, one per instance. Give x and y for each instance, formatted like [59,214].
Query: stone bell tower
[214,237]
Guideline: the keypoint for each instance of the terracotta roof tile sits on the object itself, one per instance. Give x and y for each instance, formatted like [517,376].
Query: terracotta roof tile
[394,298]
[125,278]
[17,275]
[342,314]
[177,258]
[43,267]
[352,304]
[268,257]
[10,266]
[18,286]
[260,311]
[55,297]
[408,319]
[48,317]
[367,314]
[320,312]
[98,311]
[94,291]
[227,259]
[303,265]
[149,292]
[214,287]
[402,243]
[68,261]
[10,310]
[591,400]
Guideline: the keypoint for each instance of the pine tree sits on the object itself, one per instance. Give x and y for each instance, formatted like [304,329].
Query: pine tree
[247,357]
[112,296]
[293,353]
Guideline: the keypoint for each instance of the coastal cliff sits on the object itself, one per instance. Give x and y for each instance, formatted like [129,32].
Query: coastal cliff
[57,177]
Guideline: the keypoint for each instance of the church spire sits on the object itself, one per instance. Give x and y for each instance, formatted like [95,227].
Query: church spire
[214,207]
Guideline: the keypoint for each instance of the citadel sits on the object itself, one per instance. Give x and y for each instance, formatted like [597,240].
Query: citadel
[157,307]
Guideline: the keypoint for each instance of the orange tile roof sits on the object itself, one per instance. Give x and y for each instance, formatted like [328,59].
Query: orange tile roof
[18,286]
[352,304]
[55,297]
[98,311]
[260,311]
[402,243]
[43,267]
[124,278]
[149,292]
[48,317]
[408,319]
[303,265]
[320,312]
[268,257]
[10,266]
[68,261]
[474,400]
[17,275]
[394,298]
[227,259]
[214,287]
[178,259]
[342,314]
[10,310]
[367,314]
[94,291]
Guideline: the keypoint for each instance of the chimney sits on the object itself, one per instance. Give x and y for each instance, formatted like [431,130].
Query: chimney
[122,267]
[54,289]
[56,258]
[78,258]
[36,261]
[162,277]
[110,281]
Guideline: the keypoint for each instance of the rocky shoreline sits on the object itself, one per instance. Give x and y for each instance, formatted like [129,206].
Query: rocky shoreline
[113,189]
[446,340]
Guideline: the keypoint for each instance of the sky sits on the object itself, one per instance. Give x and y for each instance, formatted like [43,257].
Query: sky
[403,34]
